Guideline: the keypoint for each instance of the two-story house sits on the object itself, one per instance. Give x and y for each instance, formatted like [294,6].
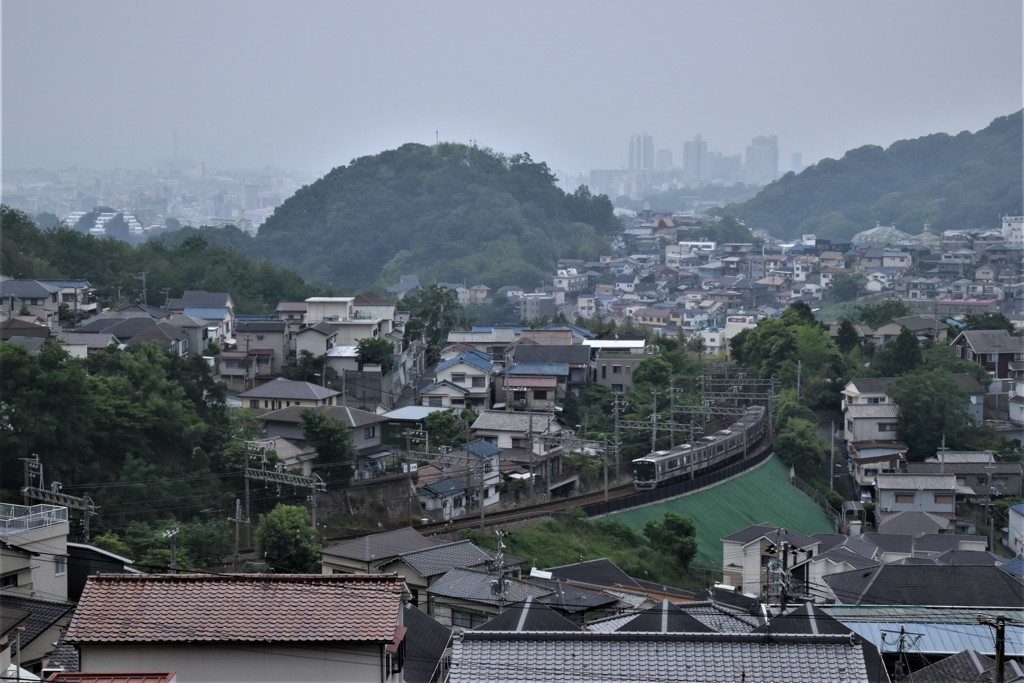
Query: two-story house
[932,493]
[216,309]
[30,298]
[265,342]
[477,464]
[870,423]
[462,381]
[531,441]
[282,393]
[350,321]
[994,350]
[748,554]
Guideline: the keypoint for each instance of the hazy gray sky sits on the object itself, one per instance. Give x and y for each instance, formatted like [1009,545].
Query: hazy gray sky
[314,84]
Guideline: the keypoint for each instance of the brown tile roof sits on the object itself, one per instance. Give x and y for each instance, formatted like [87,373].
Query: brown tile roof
[119,608]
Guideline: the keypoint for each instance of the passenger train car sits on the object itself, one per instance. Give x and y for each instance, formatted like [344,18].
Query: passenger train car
[707,453]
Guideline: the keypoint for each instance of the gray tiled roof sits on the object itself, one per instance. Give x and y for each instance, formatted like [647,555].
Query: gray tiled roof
[441,558]
[600,572]
[289,389]
[543,353]
[198,298]
[513,421]
[381,546]
[26,289]
[42,615]
[965,666]
[476,587]
[720,618]
[665,618]
[529,615]
[993,341]
[772,533]
[695,658]
[928,585]
[353,417]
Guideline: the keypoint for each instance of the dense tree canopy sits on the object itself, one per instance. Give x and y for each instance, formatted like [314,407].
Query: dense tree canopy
[287,541]
[948,181]
[447,212]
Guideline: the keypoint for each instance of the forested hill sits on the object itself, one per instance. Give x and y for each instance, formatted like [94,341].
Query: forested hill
[447,213]
[948,181]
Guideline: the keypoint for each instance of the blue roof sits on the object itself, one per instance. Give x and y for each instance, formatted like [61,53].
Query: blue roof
[538,369]
[1014,566]
[208,313]
[443,383]
[444,487]
[480,448]
[581,331]
[469,358]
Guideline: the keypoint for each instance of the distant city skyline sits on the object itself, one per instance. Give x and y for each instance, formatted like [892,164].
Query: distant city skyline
[312,85]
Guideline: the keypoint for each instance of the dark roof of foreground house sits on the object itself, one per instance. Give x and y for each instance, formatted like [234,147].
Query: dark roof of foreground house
[665,618]
[692,657]
[915,584]
[263,608]
[529,615]
[967,666]
[424,646]
[42,614]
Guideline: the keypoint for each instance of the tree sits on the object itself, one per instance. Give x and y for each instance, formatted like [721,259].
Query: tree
[881,312]
[847,338]
[989,321]
[312,369]
[675,535]
[445,428]
[287,541]
[844,287]
[375,351]
[932,408]
[898,357]
[434,312]
[332,440]
[799,446]
[654,370]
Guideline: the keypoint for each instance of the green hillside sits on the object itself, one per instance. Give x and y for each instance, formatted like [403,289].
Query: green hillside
[948,181]
[447,213]
[763,494]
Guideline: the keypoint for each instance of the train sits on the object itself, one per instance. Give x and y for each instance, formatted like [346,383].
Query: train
[691,460]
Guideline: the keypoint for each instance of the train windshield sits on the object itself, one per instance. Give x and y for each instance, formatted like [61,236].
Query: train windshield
[644,471]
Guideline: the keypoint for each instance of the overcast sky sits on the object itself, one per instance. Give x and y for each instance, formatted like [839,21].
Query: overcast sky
[312,85]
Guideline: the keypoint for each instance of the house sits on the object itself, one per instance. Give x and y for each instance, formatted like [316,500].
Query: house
[443,500]
[85,560]
[462,381]
[747,553]
[615,360]
[1015,529]
[580,657]
[576,356]
[927,584]
[370,553]
[467,598]
[531,441]
[33,578]
[975,470]
[216,309]
[317,339]
[266,342]
[33,298]
[22,328]
[933,493]
[365,428]
[533,386]
[244,627]
[994,350]
[349,320]
[421,568]
[282,393]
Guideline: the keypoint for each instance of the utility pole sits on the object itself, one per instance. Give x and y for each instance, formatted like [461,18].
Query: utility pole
[832,457]
[237,519]
[34,470]
[618,443]
[145,301]
[654,420]
[999,624]
[172,535]
[605,458]
[799,368]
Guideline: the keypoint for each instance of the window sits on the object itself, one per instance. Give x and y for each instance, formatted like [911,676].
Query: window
[9,581]
[943,498]
[616,369]
[467,619]
[434,401]
[60,565]
[479,382]
[370,432]
[518,395]
[604,372]
[459,377]
[905,498]
[254,403]
[887,427]
[540,395]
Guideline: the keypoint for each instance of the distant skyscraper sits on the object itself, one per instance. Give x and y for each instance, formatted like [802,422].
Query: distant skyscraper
[663,160]
[762,162]
[641,153]
[725,168]
[695,161]
[796,162]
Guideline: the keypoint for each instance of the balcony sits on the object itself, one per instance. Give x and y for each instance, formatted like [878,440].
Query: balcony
[18,518]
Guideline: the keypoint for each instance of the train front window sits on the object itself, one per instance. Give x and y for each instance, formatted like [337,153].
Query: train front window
[643,471]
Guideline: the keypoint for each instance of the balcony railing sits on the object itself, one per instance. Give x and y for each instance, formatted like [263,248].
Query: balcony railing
[17,518]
